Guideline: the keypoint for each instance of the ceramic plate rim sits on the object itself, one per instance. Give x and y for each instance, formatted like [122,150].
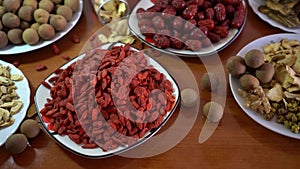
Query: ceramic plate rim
[254,4]
[24,92]
[233,34]
[89,152]
[234,84]
[16,49]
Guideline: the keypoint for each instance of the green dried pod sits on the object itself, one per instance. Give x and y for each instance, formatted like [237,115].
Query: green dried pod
[287,124]
[280,119]
[295,128]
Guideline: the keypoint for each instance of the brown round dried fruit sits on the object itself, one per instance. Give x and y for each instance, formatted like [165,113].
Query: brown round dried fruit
[16,143]
[30,128]
[248,82]
[236,66]
[254,58]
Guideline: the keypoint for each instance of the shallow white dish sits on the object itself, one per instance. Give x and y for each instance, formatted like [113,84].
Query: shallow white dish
[256,3]
[15,49]
[23,91]
[42,93]
[234,85]
[133,25]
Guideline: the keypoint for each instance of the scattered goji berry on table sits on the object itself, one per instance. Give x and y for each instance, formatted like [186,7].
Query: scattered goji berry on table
[75,39]
[41,67]
[16,63]
[66,57]
[55,49]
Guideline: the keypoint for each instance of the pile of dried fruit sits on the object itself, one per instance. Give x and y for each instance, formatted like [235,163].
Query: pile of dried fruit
[192,24]
[270,81]
[108,11]
[28,21]
[9,99]
[110,98]
[285,12]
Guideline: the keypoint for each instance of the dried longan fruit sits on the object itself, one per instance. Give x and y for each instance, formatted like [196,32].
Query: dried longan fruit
[254,58]
[30,128]
[248,82]
[265,73]
[47,5]
[16,143]
[189,97]
[3,39]
[209,81]
[73,4]
[30,36]
[236,66]
[213,111]
[2,11]
[58,22]
[32,3]
[11,5]
[41,16]
[65,11]
[35,26]
[26,13]
[11,20]
[15,36]
[46,31]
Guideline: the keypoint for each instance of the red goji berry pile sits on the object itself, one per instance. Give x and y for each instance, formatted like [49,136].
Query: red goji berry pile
[110,98]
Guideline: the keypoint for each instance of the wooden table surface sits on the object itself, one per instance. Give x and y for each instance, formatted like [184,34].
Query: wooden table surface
[238,142]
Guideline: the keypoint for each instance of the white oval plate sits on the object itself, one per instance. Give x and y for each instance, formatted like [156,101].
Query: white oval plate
[234,85]
[23,91]
[256,3]
[15,49]
[42,93]
[133,25]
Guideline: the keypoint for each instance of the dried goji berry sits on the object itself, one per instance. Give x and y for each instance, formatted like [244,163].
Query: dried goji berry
[55,49]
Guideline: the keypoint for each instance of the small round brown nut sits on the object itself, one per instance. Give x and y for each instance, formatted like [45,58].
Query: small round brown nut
[41,16]
[11,5]
[254,58]
[16,143]
[65,11]
[73,4]
[236,66]
[30,36]
[15,36]
[248,82]
[11,20]
[46,31]
[189,97]
[47,5]
[58,22]
[26,13]
[30,128]
[265,73]
[213,111]
[32,3]
[35,26]
[3,39]
[2,11]
[209,81]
